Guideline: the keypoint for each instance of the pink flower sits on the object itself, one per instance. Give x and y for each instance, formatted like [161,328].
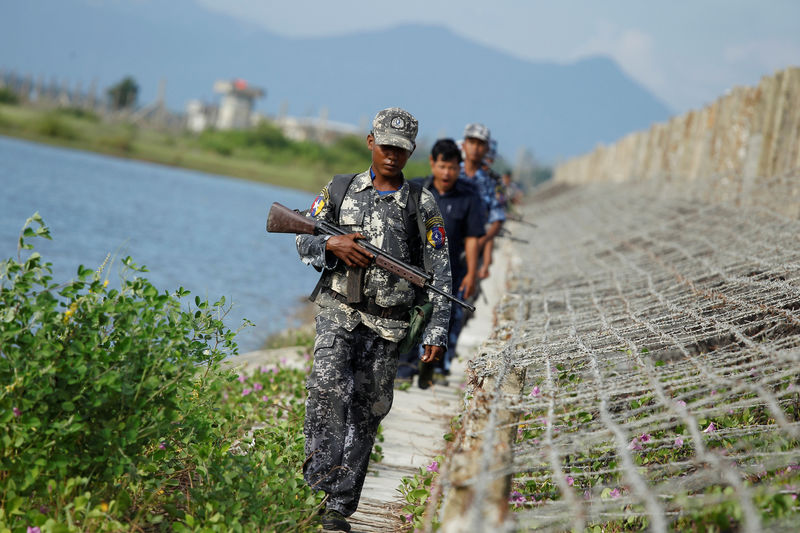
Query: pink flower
[678,443]
[245,392]
[307,356]
[634,445]
[587,494]
[283,360]
[409,518]
[516,498]
[535,392]
[257,386]
[264,398]
[713,392]
[570,481]
[162,446]
[264,370]
[34,529]
[645,437]
[711,428]
[241,378]
[274,369]
[433,467]
[680,403]
[615,493]
[17,412]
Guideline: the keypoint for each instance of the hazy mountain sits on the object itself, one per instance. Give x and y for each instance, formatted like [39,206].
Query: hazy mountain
[444,79]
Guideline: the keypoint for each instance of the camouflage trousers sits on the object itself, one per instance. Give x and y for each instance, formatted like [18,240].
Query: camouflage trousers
[350,390]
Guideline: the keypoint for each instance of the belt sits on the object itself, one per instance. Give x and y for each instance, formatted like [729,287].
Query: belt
[397,312]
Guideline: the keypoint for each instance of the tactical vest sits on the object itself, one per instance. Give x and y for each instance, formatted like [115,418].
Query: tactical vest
[411,217]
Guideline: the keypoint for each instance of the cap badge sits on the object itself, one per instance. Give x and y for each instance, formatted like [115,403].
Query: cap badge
[398,123]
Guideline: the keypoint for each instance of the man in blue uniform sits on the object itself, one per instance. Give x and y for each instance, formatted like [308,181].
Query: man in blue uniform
[475,147]
[462,210]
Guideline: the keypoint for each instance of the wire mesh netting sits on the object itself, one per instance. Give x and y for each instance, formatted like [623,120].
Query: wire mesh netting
[661,345]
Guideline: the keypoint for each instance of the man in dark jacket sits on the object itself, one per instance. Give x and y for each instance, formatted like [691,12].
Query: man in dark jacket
[463,213]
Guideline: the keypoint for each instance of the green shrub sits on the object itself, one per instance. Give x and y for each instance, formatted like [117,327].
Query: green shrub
[122,141]
[266,134]
[217,141]
[7,96]
[115,413]
[53,125]
[80,113]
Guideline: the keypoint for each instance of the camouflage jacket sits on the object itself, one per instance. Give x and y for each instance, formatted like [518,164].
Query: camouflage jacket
[380,219]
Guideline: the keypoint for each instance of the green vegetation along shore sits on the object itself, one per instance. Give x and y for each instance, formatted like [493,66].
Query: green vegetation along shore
[117,414]
[260,154]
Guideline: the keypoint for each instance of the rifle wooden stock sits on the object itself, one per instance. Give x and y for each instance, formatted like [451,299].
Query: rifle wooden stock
[281,219]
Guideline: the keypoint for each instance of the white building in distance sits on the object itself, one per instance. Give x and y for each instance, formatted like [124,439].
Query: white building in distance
[236,107]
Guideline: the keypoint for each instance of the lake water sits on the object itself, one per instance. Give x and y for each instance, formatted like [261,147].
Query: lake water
[200,231]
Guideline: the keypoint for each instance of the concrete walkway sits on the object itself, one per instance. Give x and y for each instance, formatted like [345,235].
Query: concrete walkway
[419,418]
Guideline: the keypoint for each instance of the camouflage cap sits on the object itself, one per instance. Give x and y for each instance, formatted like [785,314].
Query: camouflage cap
[492,153]
[395,127]
[477,131]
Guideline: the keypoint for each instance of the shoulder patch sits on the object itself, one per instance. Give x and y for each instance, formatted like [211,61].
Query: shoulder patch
[435,234]
[434,221]
[319,202]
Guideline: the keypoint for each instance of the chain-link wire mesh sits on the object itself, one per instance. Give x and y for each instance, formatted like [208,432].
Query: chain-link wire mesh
[661,344]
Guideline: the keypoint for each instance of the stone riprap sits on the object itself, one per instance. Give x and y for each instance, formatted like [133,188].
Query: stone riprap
[743,148]
[643,369]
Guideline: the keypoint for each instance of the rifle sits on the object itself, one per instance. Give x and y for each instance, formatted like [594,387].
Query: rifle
[281,219]
[505,234]
[518,218]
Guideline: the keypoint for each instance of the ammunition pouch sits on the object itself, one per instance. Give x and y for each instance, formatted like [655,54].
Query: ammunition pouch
[420,316]
[368,305]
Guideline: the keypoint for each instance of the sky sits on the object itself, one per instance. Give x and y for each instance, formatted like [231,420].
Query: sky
[688,53]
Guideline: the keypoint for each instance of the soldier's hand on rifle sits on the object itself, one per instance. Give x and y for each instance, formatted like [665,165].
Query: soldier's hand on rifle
[348,250]
[432,353]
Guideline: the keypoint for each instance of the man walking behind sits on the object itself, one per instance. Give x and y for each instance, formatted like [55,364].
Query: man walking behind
[364,310]
[462,210]
[476,146]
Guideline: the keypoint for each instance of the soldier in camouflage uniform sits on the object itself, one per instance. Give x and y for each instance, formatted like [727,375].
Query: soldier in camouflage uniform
[350,387]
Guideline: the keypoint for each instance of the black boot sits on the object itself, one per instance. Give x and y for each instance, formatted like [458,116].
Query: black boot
[334,521]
